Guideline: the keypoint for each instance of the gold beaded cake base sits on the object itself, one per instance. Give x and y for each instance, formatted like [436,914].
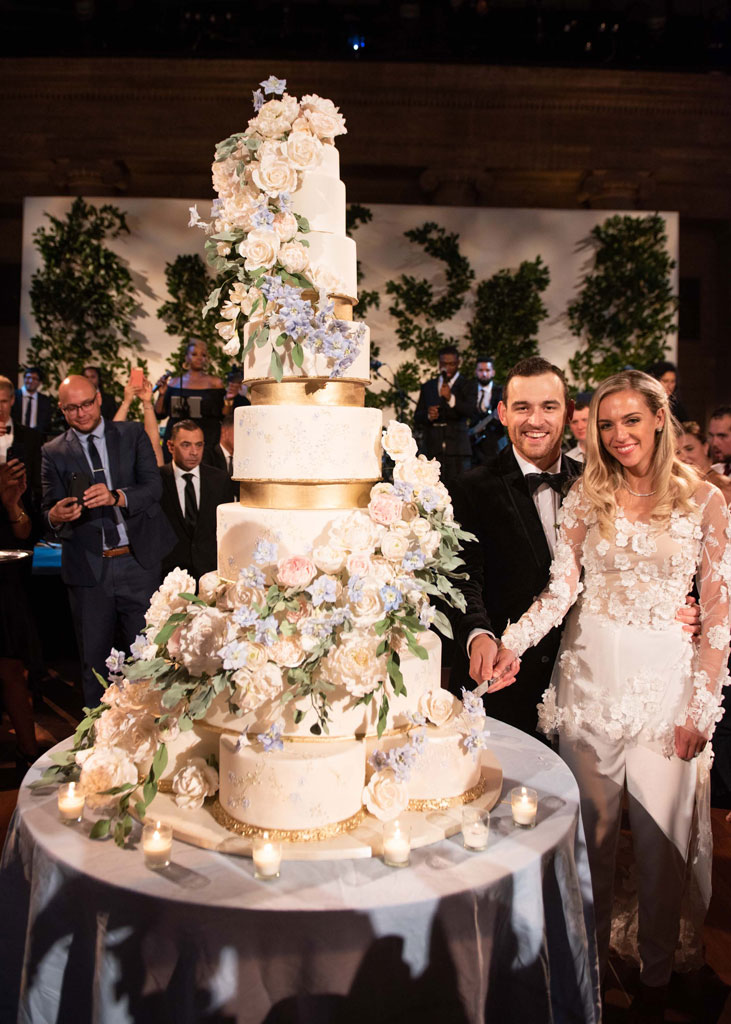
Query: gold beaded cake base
[286,835]
[428,824]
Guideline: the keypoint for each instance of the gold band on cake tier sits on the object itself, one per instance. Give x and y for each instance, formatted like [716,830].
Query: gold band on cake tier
[296,835]
[307,391]
[222,730]
[342,305]
[295,494]
[450,801]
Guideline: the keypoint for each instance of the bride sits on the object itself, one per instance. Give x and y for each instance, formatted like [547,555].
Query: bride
[632,699]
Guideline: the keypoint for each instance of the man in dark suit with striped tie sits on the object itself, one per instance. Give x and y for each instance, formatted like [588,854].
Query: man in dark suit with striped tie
[191,493]
[101,496]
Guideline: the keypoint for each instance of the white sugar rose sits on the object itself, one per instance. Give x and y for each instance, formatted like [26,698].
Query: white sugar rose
[398,441]
[266,684]
[323,116]
[328,558]
[356,532]
[369,607]
[296,571]
[382,569]
[238,594]
[274,174]
[429,544]
[193,783]
[358,564]
[275,117]
[136,696]
[386,797]
[200,641]
[260,248]
[385,508]
[210,586]
[166,600]
[133,732]
[104,768]
[420,527]
[326,280]
[294,257]
[354,664]
[285,225]
[304,151]
[225,177]
[394,546]
[421,472]
[231,348]
[287,653]
[437,706]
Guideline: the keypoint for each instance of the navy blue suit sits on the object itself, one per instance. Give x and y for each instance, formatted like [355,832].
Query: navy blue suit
[109,596]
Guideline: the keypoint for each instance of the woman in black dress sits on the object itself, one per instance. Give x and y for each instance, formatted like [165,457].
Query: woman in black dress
[194,395]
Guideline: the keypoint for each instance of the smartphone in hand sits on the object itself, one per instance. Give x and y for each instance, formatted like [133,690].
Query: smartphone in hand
[137,376]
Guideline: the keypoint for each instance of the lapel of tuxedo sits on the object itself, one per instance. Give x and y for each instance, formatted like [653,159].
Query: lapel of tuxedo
[526,513]
[75,455]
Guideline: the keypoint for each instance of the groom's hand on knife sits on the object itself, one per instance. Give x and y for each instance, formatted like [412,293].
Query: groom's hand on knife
[492,664]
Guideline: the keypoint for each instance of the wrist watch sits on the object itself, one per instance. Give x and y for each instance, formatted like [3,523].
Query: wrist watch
[116,495]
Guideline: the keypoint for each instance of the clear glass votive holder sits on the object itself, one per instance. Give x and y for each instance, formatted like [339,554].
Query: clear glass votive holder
[267,857]
[396,844]
[524,804]
[475,828]
[70,803]
[157,844]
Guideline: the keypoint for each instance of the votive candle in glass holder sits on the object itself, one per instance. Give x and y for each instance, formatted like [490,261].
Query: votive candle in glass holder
[267,857]
[396,844]
[70,803]
[157,843]
[524,804]
[475,828]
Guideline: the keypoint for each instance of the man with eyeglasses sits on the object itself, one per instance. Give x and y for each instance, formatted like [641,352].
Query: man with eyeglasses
[101,496]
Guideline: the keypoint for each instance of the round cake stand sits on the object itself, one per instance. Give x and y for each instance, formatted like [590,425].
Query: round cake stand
[201,829]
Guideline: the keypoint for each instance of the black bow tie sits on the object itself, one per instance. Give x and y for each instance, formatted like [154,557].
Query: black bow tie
[555,480]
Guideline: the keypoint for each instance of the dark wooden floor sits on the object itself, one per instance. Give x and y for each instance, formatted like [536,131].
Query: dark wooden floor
[699,999]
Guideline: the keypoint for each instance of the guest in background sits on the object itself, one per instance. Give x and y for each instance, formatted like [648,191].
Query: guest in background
[18,441]
[719,437]
[191,493]
[222,455]
[487,430]
[236,391]
[194,395]
[144,393]
[693,449]
[109,406]
[577,425]
[667,374]
[32,408]
[101,496]
[444,410]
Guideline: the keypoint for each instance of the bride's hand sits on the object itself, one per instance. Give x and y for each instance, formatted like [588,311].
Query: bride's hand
[688,741]
[505,669]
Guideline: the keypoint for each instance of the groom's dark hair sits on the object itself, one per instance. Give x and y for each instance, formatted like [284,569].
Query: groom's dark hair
[535,366]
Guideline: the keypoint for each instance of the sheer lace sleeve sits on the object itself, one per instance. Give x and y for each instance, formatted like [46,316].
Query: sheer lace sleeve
[564,587]
[713,577]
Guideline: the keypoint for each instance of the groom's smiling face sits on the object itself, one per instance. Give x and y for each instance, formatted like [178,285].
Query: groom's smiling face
[534,412]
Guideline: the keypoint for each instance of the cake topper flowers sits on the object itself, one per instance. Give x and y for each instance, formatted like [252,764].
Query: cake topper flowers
[275,292]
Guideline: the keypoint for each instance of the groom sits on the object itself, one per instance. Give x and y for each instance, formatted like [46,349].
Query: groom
[511,504]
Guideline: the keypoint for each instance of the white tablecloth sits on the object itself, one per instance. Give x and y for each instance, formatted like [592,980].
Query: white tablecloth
[88,934]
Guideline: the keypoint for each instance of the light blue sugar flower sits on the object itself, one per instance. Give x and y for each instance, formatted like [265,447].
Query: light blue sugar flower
[413,560]
[355,589]
[265,631]
[429,499]
[257,97]
[426,615]
[403,490]
[115,661]
[245,616]
[263,217]
[265,552]
[234,655]
[474,742]
[473,705]
[322,590]
[252,576]
[285,201]
[392,597]
[272,738]
[274,85]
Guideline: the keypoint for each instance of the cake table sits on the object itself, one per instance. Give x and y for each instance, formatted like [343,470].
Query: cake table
[90,935]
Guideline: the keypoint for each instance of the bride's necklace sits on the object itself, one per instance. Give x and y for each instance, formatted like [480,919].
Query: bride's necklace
[637,494]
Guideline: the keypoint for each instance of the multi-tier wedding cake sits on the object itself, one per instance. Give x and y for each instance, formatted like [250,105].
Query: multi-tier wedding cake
[300,689]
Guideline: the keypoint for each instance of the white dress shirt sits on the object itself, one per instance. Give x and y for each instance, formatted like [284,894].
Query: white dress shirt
[228,456]
[33,399]
[576,453]
[180,484]
[451,401]
[484,394]
[5,440]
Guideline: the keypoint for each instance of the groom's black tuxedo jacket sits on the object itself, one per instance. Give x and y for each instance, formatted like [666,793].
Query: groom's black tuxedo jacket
[508,567]
[195,550]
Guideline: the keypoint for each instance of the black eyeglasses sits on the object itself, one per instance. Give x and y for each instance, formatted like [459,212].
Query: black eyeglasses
[73,410]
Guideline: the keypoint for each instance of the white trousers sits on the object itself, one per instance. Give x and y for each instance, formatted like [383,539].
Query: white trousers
[661,794]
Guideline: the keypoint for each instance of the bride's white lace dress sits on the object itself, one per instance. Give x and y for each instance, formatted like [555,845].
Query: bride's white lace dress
[626,670]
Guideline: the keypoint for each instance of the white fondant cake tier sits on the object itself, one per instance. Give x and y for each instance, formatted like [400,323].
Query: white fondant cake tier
[294,531]
[196,742]
[442,770]
[304,786]
[335,256]
[321,199]
[257,361]
[309,444]
[347,719]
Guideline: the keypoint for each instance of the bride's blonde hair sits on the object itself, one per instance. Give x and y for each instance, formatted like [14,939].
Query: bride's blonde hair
[672,481]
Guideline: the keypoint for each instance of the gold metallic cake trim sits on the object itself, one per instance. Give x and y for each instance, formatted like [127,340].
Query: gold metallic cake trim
[307,391]
[298,494]
[297,835]
[342,304]
[451,801]
[223,730]
[164,785]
